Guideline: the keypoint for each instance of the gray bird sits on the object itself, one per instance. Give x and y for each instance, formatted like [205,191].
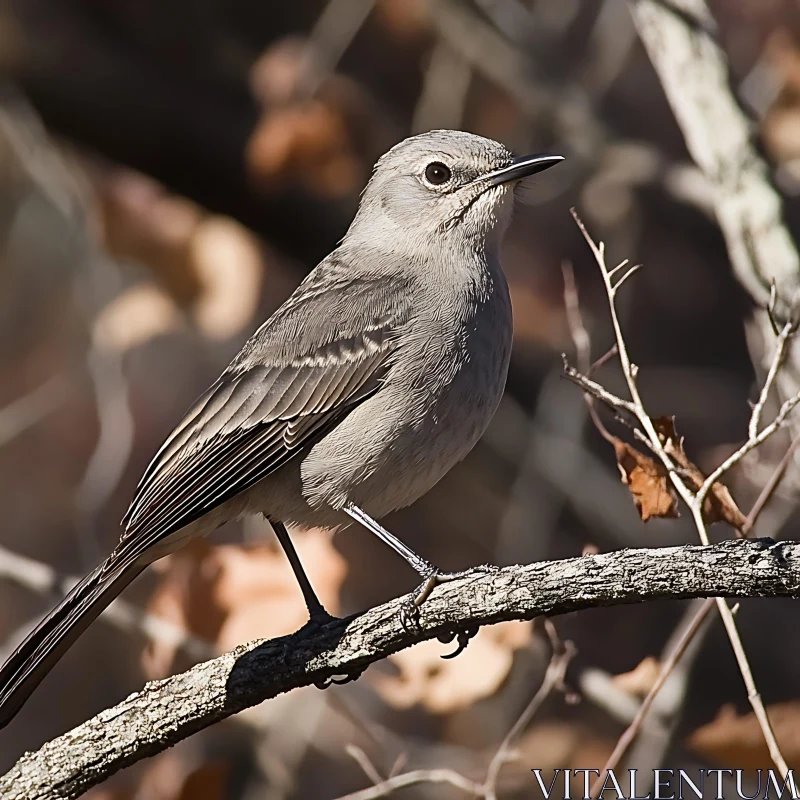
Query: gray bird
[353,399]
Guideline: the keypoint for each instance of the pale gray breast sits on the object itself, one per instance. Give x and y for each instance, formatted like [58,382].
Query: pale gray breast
[435,403]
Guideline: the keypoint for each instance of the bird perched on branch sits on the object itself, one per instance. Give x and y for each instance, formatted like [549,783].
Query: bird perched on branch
[353,399]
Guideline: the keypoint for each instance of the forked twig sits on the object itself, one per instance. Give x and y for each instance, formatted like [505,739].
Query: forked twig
[694,499]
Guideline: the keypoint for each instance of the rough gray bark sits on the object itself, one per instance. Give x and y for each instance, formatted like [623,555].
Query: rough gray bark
[165,712]
[680,38]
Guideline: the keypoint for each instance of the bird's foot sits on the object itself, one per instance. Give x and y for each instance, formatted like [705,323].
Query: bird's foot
[409,612]
[433,578]
[318,618]
[340,680]
[462,639]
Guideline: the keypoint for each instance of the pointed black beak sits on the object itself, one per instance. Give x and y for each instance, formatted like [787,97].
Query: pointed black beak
[521,167]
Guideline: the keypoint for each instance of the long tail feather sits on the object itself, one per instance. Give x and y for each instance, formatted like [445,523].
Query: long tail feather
[54,635]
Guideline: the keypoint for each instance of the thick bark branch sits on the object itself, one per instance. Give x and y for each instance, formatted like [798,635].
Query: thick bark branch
[165,712]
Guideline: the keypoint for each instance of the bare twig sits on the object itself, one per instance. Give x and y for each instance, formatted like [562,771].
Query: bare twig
[694,500]
[21,414]
[577,330]
[770,487]
[390,785]
[444,91]
[333,32]
[784,336]
[667,667]
[363,761]
[553,679]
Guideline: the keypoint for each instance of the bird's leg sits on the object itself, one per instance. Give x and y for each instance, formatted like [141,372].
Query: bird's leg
[424,568]
[316,611]
[431,576]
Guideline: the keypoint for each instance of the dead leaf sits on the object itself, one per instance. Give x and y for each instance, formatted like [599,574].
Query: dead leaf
[171,775]
[208,264]
[733,739]
[640,680]
[277,76]
[136,316]
[143,222]
[309,140]
[227,260]
[719,504]
[647,481]
[183,597]
[443,686]
[407,20]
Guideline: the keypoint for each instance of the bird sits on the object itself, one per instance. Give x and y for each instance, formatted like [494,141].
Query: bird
[372,380]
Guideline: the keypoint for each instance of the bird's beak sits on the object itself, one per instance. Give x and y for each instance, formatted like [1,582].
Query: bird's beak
[520,167]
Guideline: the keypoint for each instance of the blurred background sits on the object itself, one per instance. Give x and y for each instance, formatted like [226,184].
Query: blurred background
[170,171]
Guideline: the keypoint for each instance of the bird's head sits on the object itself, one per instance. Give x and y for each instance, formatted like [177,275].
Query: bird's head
[443,182]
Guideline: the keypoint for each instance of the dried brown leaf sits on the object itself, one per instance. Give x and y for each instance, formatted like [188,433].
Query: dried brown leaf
[227,260]
[647,481]
[640,680]
[309,140]
[739,740]
[183,597]
[259,594]
[136,316]
[719,505]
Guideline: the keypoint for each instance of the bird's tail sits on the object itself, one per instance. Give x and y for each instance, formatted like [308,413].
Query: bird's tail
[55,634]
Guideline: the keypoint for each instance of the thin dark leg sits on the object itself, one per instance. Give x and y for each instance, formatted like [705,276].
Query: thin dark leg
[315,609]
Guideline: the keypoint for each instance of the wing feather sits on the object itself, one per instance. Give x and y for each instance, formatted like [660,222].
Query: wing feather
[254,418]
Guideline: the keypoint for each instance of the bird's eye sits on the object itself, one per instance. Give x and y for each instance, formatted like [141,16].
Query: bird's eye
[437,173]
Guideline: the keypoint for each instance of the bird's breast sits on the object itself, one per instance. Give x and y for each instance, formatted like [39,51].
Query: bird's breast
[444,385]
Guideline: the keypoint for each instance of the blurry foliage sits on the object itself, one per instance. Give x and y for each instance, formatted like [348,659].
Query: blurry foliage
[168,173]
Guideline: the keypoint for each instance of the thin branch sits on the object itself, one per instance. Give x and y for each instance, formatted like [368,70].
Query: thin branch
[753,695]
[167,711]
[632,731]
[770,487]
[25,412]
[749,445]
[363,761]
[615,270]
[593,388]
[694,500]
[390,785]
[580,336]
[553,679]
[786,333]
[604,359]
[635,268]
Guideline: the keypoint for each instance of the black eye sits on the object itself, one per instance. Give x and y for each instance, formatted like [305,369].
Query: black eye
[437,173]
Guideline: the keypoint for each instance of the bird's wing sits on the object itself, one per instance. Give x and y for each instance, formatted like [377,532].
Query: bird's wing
[323,352]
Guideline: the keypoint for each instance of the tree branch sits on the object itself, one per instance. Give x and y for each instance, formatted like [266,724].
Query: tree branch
[167,711]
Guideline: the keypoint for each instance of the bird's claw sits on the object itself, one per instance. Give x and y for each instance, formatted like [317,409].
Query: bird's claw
[409,613]
[339,680]
[317,618]
[462,638]
[433,578]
